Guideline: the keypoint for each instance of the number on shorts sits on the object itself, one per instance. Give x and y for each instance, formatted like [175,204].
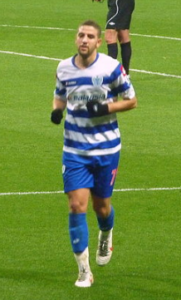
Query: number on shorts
[114,172]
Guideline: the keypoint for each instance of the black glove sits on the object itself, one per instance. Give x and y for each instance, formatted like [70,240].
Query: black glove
[56,116]
[97,109]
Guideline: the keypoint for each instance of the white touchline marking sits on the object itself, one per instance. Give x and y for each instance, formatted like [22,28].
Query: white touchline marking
[156,73]
[148,189]
[37,27]
[71,29]
[156,36]
[115,190]
[31,193]
[29,55]
[59,59]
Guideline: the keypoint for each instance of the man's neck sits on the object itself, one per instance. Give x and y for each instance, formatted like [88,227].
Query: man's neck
[84,62]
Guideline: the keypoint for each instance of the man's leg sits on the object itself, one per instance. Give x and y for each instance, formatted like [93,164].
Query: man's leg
[111,40]
[126,49]
[105,218]
[104,179]
[78,230]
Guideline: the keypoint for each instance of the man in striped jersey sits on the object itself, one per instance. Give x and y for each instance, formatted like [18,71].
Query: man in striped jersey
[88,85]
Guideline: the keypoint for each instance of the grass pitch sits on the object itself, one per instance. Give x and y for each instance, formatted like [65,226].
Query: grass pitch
[36,261]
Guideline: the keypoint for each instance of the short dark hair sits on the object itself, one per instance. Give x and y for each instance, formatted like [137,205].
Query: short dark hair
[93,24]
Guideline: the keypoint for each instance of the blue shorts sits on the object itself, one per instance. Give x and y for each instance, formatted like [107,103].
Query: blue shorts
[97,173]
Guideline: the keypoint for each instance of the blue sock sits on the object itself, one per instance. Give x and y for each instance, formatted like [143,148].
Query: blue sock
[106,224]
[78,231]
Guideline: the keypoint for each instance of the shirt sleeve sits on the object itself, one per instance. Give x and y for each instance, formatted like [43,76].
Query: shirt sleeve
[122,85]
[60,90]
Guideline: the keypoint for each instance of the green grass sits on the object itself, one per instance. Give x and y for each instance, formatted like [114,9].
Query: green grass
[36,261]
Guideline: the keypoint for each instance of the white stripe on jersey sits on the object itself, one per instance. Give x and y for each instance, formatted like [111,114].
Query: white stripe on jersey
[85,122]
[92,152]
[92,138]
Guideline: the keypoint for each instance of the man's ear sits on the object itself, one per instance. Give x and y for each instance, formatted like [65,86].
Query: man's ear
[99,42]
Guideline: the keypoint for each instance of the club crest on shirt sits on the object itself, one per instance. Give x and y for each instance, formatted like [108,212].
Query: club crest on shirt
[97,81]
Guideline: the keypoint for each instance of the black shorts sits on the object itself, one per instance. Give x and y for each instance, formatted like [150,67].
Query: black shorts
[119,14]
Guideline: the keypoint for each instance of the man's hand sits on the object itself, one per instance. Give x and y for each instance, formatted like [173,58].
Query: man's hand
[56,116]
[97,109]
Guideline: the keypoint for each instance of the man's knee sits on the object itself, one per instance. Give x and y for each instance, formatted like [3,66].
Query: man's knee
[123,36]
[102,208]
[110,36]
[78,201]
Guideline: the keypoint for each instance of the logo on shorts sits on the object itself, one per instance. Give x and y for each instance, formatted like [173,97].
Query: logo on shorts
[76,241]
[63,169]
[112,23]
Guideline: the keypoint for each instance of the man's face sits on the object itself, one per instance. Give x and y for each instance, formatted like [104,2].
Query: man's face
[87,41]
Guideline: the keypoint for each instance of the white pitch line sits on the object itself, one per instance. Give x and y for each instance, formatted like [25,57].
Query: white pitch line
[156,36]
[156,73]
[58,59]
[71,29]
[29,55]
[37,27]
[115,190]
[31,193]
[148,189]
